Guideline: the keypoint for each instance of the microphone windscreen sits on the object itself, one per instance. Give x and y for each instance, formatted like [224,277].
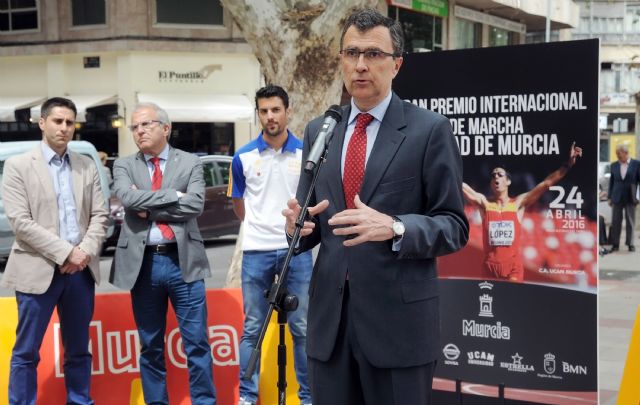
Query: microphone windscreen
[335,112]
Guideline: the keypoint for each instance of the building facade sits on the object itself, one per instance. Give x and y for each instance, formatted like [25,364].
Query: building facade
[617,25]
[432,25]
[109,55]
[190,58]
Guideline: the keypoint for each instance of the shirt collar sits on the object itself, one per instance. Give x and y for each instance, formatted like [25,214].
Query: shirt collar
[164,155]
[378,111]
[288,146]
[49,153]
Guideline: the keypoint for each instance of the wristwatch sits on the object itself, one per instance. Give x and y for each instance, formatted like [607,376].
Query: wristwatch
[398,228]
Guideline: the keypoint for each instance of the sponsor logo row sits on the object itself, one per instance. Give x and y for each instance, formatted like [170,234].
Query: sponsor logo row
[549,367]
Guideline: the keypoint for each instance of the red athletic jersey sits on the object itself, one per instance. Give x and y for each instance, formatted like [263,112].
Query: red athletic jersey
[501,238]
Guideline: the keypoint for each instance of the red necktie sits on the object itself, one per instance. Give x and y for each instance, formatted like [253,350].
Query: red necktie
[355,159]
[156,184]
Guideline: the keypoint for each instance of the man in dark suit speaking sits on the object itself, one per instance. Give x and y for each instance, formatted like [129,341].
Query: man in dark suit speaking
[623,197]
[387,202]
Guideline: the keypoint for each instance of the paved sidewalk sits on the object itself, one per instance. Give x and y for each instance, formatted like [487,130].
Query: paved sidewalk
[619,297]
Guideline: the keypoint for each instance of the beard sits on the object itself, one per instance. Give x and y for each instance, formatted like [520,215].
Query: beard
[275,132]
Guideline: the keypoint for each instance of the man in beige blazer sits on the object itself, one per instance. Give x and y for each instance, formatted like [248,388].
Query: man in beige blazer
[54,203]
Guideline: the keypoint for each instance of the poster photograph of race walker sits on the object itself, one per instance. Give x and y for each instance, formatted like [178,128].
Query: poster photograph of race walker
[527,133]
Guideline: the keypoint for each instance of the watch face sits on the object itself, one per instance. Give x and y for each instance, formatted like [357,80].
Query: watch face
[398,228]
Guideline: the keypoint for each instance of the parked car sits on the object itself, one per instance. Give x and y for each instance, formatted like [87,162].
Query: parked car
[217,219]
[604,173]
[8,149]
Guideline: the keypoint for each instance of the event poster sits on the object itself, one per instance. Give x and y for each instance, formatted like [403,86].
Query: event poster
[519,301]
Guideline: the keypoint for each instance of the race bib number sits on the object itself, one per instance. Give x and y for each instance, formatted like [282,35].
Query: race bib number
[501,233]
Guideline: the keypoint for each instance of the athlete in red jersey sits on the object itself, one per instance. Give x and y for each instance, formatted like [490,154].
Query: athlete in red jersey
[502,215]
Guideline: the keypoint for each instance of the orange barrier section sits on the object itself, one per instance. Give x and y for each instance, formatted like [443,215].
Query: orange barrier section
[115,348]
[629,388]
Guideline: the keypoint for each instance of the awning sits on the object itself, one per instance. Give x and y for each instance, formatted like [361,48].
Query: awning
[621,54]
[8,105]
[202,107]
[82,102]
[564,13]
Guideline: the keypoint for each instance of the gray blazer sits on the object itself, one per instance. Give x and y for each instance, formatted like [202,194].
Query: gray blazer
[415,173]
[183,172]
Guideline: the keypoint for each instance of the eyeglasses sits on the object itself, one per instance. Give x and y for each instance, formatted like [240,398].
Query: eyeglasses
[370,55]
[144,125]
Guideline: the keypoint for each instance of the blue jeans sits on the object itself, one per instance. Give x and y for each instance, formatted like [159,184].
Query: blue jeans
[258,271]
[161,280]
[74,296]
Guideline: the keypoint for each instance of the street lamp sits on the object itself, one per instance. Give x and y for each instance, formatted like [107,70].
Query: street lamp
[117,120]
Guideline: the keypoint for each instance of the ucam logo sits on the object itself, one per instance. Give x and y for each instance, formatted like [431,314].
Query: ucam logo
[451,354]
[480,358]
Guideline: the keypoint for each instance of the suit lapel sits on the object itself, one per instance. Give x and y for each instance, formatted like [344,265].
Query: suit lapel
[141,172]
[76,175]
[386,145]
[40,168]
[170,168]
[333,164]
[620,171]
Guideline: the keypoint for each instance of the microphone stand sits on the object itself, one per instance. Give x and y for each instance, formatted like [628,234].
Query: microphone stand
[280,300]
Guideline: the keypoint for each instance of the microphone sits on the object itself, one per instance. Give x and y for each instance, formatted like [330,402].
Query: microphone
[331,118]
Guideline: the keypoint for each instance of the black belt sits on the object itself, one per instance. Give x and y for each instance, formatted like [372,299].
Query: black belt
[162,249]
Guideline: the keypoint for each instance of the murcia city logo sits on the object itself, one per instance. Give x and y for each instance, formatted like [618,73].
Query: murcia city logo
[516,365]
[451,354]
[549,363]
[483,330]
[486,300]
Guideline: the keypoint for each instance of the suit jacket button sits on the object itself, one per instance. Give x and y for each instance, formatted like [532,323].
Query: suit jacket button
[340,289]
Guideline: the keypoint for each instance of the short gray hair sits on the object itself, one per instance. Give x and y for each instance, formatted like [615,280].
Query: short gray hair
[623,147]
[369,18]
[161,114]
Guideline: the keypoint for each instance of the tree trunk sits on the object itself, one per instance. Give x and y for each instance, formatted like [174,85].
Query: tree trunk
[297,44]
[235,267]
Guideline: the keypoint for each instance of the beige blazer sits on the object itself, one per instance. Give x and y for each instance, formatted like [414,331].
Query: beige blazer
[32,210]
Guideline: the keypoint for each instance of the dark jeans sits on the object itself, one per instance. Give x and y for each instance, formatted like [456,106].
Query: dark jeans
[74,297]
[160,280]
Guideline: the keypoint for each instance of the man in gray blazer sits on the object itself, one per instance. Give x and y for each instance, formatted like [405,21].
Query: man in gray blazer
[387,203]
[56,209]
[160,254]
